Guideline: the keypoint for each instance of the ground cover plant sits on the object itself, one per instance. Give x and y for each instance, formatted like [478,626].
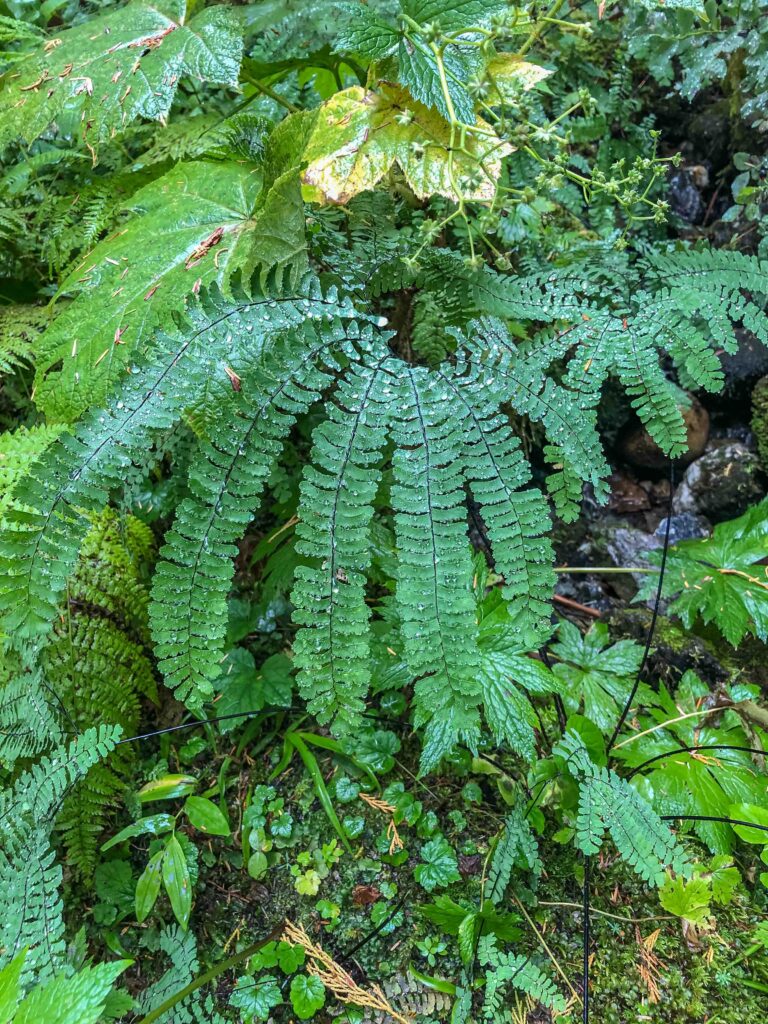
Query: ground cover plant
[383,516]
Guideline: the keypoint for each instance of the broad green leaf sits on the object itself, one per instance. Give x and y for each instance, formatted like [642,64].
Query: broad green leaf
[595,674]
[724,877]
[176,881]
[505,673]
[360,135]
[439,866]
[10,991]
[686,899]
[722,579]
[307,995]
[243,688]
[255,997]
[153,826]
[96,78]
[753,813]
[148,886]
[367,35]
[168,787]
[454,15]
[191,228]
[206,816]
[466,935]
[258,865]
[419,71]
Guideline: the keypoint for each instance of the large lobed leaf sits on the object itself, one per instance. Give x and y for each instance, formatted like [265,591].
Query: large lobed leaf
[96,78]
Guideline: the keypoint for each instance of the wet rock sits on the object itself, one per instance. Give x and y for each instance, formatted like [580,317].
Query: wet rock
[684,197]
[627,546]
[760,419]
[626,495]
[639,448]
[721,484]
[685,526]
[745,367]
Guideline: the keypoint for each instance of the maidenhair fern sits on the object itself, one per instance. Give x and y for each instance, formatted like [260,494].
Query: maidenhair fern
[520,972]
[609,803]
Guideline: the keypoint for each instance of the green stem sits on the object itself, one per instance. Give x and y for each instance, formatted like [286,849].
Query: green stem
[209,975]
[603,569]
[266,91]
[539,28]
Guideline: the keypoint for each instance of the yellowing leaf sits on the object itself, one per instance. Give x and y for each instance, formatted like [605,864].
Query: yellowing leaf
[509,76]
[359,135]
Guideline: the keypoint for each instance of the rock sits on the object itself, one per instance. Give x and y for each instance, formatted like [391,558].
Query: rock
[721,484]
[626,495]
[660,491]
[760,419]
[685,526]
[639,448]
[684,198]
[627,546]
[745,367]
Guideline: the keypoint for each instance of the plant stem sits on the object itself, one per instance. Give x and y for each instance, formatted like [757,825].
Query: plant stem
[543,942]
[606,568]
[210,974]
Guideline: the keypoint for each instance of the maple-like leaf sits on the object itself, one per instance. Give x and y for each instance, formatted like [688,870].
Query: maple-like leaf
[361,134]
[724,578]
[94,79]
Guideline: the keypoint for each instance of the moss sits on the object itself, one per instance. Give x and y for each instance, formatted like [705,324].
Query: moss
[692,990]
[760,419]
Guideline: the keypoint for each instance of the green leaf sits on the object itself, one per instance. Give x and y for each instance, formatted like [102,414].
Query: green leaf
[152,826]
[307,995]
[750,812]
[724,877]
[177,881]
[721,579]
[290,958]
[10,990]
[195,224]
[206,816]
[258,865]
[466,936]
[366,35]
[148,886]
[686,899]
[596,674]
[439,866]
[106,72]
[361,134]
[243,688]
[255,997]
[169,787]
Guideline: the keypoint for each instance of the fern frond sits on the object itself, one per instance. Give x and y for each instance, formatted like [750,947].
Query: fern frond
[434,600]
[226,477]
[96,663]
[518,971]
[332,651]
[29,876]
[39,549]
[608,802]
[496,471]
[517,843]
